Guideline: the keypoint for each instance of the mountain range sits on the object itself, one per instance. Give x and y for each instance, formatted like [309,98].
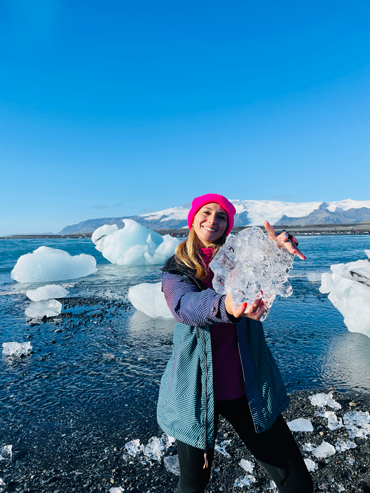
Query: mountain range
[248,213]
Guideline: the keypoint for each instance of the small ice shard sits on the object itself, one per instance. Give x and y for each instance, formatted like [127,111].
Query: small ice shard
[167,440]
[311,465]
[314,276]
[351,461]
[6,452]
[343,445]
[248,263]
[116,489]
[308,447]
[221,447]
[2,482]
[155,448]
[149,299]
[273,487]
[134,447]
[349,290]
[51,264]
[357,424]
[41,309]
[243,481]
[47,292]
[171,463]
[324,450]
[134,244]
[16,348]
[333,422]
[247,465]
[300,424]
[322,400]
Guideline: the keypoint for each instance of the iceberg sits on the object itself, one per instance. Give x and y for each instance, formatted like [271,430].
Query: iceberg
[16,348]
[300,424]
[149,299]
[248,263]
[134,244]
[47,292]
[348,288]
[41,309]
[51,264]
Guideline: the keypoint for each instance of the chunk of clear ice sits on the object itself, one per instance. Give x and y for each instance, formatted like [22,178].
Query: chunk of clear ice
[16,349]
[172,464]
[248,263]
[6,452]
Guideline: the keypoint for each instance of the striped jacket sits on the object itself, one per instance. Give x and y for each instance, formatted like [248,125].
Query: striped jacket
[186,401]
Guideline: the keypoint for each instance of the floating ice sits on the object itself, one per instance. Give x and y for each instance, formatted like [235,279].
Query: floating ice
[314,276]
[322,400]
[247,465]
[149,299]
[248,263]
[349,291]
[171,463]
[134,245]
[221,447]
[246,480]
[134,447]
[155,448]
[6,452]
[41,309]
[16,349]
[343,445]
[311,465]
[324,450]
[103,231]
[47,292]
[357,424]
[51,264]
[300,424]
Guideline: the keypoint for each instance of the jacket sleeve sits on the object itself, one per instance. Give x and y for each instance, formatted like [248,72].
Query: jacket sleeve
[189,305]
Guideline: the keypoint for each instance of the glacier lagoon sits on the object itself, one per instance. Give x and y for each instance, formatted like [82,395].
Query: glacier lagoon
[96,367]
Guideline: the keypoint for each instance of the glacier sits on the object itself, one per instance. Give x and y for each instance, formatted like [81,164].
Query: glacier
[134,244]
[48,264]
[149,299]
[348,288]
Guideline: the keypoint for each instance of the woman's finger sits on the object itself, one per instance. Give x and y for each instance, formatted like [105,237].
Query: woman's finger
[270,230]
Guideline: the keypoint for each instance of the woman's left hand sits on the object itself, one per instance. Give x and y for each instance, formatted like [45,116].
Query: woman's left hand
[283,241]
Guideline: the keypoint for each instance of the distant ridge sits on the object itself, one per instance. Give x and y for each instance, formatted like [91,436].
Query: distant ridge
[248,212]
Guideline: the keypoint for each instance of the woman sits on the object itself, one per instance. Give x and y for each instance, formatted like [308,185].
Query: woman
[220,364]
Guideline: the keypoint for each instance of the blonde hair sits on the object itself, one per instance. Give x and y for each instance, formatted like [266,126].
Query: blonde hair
[188,253]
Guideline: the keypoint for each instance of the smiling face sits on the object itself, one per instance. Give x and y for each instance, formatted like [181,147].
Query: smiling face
[210,223]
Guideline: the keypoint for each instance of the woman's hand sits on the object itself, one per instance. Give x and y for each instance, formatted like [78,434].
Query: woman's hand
[283,241]
[254,311]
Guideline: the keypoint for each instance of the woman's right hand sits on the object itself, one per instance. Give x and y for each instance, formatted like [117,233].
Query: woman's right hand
[253,311]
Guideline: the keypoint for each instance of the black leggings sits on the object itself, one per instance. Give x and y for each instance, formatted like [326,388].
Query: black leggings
[275,449]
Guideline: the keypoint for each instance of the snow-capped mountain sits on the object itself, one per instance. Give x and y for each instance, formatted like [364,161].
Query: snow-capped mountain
[248,212]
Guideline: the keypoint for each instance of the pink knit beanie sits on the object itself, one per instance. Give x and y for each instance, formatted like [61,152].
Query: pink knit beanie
[227,206]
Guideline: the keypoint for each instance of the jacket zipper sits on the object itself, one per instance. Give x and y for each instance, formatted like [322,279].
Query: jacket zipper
[206,403]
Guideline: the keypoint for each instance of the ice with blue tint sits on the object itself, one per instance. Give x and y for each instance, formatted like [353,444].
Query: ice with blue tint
[47,292]
[300,424]
[51,264]
[249,263]
[16,349]
[149,299]
[40,309]
[134,244]
[348,288]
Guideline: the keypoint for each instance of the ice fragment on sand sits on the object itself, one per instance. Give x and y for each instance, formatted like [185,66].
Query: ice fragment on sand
[135,245]
[357,423]
[324,450]
[6,452]
[2,482]
[308,447]
[333,422]
[273,487]
[171,463]
[322,400]
[51,264]
[40,309]
[247,465]
[311,465]
[349,290]
[117,489]
[149,299]
[155,448]
[46,292]
[343,445]
[300,424]
[351,461]
[248,263]
[221,447]
[134,447]
[16,348]
[246,480]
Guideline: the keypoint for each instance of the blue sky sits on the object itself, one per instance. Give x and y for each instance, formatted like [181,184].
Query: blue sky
[118,108]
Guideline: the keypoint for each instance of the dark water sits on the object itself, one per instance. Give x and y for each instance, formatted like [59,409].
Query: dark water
[102,367]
